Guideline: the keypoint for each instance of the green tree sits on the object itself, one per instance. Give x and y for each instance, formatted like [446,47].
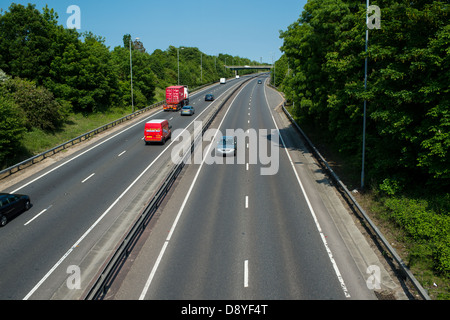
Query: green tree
[84,76]
[37,104]
[27,44]
[407,91]
[12,127]
[144,80]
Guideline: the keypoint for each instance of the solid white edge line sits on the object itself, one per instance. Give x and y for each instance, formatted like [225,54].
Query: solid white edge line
[110,207]
[180,211]
[330,254]
[152,274]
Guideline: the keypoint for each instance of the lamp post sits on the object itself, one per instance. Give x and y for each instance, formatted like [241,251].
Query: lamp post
[131,73]
[376,20]
[365,88]
[178,62]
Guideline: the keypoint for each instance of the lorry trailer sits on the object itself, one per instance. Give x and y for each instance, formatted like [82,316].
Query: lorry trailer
[176,97]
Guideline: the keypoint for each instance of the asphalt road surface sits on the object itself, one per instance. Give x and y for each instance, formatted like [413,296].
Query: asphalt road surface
[265,224]
[82,204]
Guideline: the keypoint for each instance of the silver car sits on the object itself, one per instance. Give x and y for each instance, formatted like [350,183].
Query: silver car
[226,146]
[187,110]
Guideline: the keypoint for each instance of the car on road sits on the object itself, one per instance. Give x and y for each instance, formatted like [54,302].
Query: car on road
[187,110]
[12,205]
[226,146]
[209,97]
[157,130]
[259,81]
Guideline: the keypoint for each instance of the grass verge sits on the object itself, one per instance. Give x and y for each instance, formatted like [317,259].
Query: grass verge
[37,141]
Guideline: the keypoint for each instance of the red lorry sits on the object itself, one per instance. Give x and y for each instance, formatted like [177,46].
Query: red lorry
[176,97]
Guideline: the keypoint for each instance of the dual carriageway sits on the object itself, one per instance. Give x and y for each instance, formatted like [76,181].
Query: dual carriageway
[224,231]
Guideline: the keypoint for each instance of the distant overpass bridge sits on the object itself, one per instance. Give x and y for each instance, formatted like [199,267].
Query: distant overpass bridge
[249,67]
[246,67]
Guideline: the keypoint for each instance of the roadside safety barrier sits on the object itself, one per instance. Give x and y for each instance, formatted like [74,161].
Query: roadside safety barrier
[50,152]
[405,272]
[105,277]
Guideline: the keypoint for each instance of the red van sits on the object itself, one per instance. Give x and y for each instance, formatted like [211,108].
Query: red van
[157,130]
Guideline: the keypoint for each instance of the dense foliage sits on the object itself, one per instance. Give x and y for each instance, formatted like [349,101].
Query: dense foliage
[408,102]
[408,128]
[48,72]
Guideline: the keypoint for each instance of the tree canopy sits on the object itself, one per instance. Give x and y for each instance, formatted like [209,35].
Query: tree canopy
[408,107]
[48,72]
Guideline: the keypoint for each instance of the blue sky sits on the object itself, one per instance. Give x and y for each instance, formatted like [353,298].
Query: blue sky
[245,28]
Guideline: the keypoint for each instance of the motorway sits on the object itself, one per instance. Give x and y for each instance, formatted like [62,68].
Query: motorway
[82,205]
[244,229]
[264,225]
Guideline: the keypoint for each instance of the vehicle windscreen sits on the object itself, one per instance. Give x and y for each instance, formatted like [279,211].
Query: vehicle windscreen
[226,142]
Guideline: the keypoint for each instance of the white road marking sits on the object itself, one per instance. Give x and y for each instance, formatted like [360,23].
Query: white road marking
[330,254]
[122,153]
[180,211]
[82,153]
[246,273]
[246,202]
[37,215]
[88,178]
[97,145]
[110,207]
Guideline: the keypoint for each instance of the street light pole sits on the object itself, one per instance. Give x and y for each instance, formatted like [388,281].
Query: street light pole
[365,102]
[131,73]
[178,59]
[178,62]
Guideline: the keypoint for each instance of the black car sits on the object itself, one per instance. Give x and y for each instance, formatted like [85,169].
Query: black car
[11,205]
[259,81]
[209,97]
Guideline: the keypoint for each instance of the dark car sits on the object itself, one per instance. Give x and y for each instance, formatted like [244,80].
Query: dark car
[209,97]
[11,205]
[259,81]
